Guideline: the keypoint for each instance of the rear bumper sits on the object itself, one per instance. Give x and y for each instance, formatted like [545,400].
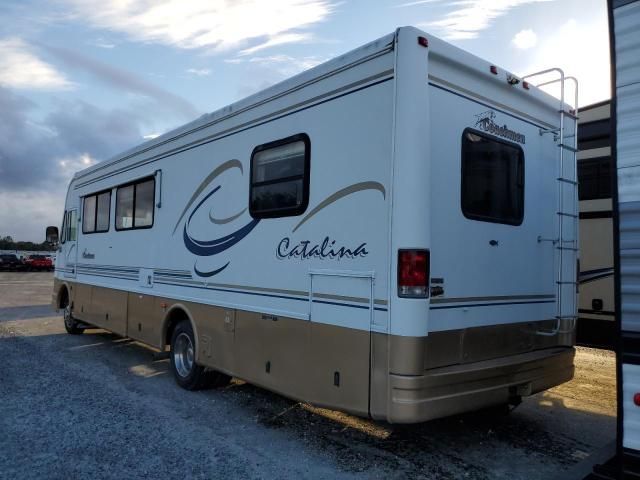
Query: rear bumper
[460,388]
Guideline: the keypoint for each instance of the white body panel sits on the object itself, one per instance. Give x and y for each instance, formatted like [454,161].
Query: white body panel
[385,125]
[626,18]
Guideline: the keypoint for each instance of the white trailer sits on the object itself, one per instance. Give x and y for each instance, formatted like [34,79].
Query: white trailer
[392,233]
[624,17]
[596,301]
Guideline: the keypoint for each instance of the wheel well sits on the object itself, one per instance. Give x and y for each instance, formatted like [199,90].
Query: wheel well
[63,294]
[174,317]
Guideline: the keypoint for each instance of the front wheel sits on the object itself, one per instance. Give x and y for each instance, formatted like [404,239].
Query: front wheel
[188,374]
[71,325]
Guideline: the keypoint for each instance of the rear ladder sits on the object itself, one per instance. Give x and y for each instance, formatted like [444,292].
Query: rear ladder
[566,241]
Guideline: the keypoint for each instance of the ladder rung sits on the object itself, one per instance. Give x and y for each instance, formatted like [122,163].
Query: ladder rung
[565,214]
[568,147]
[565,317]
[567,248]
[566,180]
[567,283]
[570,115]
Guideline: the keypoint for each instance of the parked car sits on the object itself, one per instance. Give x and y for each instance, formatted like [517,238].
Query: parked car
[10,261]
[38,262]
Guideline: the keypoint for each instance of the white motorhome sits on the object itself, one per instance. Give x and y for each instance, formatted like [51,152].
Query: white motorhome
[392,233]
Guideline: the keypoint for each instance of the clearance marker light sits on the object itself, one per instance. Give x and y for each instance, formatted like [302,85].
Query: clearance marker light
[423,41]
[636,399]
[493,69]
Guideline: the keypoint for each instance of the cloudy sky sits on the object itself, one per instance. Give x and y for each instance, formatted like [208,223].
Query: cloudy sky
[81,80]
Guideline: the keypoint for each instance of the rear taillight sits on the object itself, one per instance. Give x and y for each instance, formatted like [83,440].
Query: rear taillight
[413,273]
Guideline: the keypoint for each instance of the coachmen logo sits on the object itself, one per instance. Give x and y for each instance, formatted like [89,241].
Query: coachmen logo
[485,121]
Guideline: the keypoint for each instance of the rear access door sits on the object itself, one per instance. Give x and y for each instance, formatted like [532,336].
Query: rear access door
[494,221]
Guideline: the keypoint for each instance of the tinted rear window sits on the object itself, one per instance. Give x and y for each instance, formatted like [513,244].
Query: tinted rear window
[492,179]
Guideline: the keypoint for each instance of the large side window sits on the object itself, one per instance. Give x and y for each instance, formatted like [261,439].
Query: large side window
[280,178]
[95,212]
[594,178]
[492,179]
[135,205]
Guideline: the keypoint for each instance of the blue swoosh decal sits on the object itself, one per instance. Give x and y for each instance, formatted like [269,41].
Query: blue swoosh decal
[206,248]
[212,273]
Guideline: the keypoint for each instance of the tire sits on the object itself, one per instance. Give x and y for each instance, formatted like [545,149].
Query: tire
[187,373]
[71,325]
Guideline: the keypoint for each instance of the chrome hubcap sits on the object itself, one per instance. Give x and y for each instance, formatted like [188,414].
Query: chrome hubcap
[183,355]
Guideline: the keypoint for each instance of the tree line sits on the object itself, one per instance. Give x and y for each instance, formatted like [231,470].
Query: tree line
[8,243]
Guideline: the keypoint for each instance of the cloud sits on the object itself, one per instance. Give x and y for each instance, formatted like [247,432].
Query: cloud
[199,72]
[469,17]
[277,40]
[525,39]
[38,156]
[283,65]
[47,152]
[44,153]
[566,49]
[264,71]
[217,24]
[123,80]
[102,43]
[418,2]
[20,68]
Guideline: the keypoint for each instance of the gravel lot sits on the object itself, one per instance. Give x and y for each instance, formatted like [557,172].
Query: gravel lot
[100,406]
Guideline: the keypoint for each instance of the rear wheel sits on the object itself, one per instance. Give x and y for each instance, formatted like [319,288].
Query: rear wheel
[71,325]
[188,374]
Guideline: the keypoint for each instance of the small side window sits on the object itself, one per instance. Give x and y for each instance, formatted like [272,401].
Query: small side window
[63,229]
[492,179]
[89,214]
[280,178]
[103,207]
[95,212]
[72,226]
[144,204]
[135,205]
[124,207]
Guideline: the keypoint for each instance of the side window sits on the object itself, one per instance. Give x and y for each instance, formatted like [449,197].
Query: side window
[89,214]
[103,210]
[124,207]
[135,205]
[492,179]
[594,178]
[95,212]
[72,225]
[280,178]
[63,229]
